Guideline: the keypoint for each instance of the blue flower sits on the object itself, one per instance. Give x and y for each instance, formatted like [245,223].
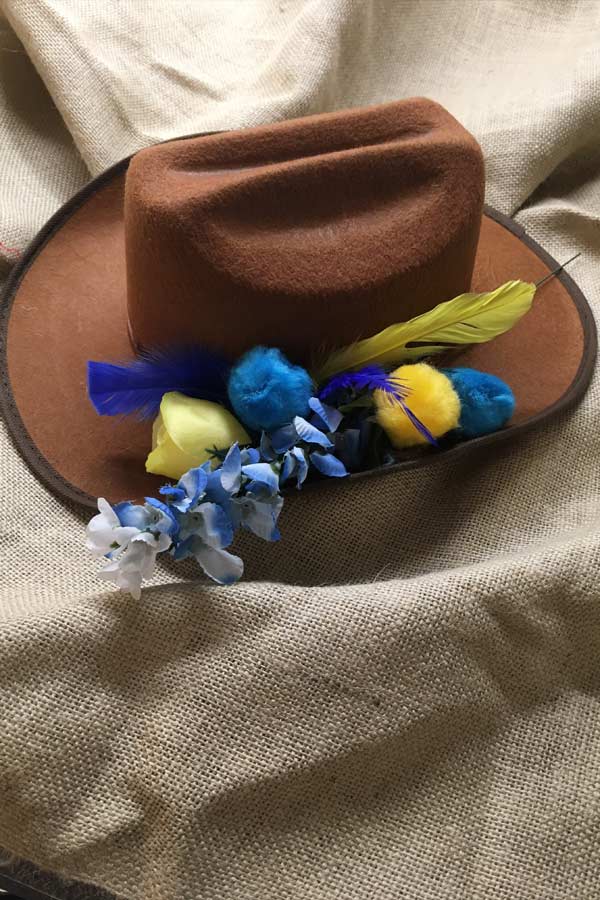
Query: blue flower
[325,417]
[132,515]
[220,565]
[267,391]
[328,464]
[277,442]
[263,474]
[210,522]
[294,464]
[189,490]
[230,472]
[258,511]
[131,536]
[205,533]
[310,433]
[224,482]
[163,519]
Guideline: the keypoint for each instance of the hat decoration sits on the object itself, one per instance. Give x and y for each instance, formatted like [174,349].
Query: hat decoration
[232,438]
[301,301]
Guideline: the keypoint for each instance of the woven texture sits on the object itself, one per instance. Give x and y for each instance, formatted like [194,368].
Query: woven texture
[401,699]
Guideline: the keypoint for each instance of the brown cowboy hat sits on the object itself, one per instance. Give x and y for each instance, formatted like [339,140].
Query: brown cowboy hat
[315,231]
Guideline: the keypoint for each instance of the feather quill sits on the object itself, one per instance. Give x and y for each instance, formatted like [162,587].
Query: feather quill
[137,387]
[467,319]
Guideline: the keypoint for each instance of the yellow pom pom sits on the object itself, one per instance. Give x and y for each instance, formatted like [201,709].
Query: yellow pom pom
[184,432]
[431,398]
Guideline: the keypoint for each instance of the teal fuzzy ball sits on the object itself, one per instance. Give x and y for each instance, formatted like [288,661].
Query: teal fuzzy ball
[267,391]
[486,402]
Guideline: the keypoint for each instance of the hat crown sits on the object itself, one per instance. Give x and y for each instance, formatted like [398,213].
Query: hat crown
[302,234]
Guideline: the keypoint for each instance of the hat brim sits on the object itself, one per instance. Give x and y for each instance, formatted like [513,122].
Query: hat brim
[65,303]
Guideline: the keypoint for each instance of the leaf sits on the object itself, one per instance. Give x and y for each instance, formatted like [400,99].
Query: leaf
[467,319]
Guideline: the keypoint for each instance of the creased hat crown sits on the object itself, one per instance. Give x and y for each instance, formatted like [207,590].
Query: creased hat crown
[305,233]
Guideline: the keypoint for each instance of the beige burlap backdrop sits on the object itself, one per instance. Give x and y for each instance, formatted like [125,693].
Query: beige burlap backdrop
[402,698]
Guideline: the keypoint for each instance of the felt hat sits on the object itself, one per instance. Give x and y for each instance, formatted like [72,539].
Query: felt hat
[301,234]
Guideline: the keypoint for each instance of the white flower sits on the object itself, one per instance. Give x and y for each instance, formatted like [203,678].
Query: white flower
[105,533]
[136,562]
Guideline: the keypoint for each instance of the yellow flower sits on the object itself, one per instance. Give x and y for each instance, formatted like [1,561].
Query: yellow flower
[184,432]
[431,397]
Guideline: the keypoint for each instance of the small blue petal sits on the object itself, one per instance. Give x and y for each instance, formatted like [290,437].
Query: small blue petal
[302,470]
[175,494]
[176,498]
[131,515]
[288,468]
[194,484]
[283,438]
[218,530]
[328,464]
[262,473]
[183,549]
[209,522]
[328,418]
[310,434]
[215,492]
[221,566]
[259,516]
[266,448]
[250,455]
[231,470]
[165,521]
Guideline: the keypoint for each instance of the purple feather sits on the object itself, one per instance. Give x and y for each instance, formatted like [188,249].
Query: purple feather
[138,386]
[369,378]
[374,378]
[418,424]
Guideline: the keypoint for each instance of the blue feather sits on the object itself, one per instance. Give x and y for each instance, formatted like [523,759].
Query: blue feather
[138,386]
[374,378]
[369,378]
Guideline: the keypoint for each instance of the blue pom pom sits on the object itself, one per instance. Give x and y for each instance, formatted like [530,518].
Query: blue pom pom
[267,391]
[487,402]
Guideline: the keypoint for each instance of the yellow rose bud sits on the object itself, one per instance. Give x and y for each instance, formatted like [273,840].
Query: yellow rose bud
[431,397]
[185,431]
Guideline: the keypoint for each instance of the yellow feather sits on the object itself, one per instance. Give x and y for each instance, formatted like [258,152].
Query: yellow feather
[468,319]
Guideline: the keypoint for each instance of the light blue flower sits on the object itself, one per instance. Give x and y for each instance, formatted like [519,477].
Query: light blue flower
[325,417]
[230,472]
[258,511]
[263,474]
[132,515]
[205,533]
[310,433]
[294,464]
[161,519]
[225,481]
[208,521]
[220,565]
[328,464]
[278,442]
[189,490]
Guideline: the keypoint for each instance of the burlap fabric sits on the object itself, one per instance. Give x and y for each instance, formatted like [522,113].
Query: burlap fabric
[401,699]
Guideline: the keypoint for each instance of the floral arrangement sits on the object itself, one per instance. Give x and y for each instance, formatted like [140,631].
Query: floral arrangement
[231,438]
